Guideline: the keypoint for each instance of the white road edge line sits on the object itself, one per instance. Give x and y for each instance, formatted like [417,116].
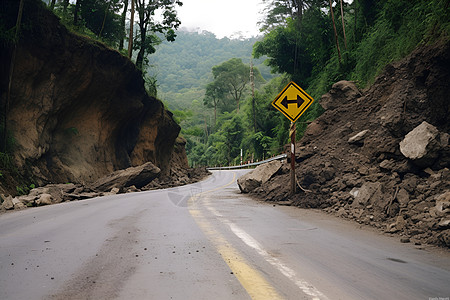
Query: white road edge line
[305,286]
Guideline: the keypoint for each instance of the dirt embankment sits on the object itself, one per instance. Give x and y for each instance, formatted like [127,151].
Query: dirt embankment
[351,161]
[78,109]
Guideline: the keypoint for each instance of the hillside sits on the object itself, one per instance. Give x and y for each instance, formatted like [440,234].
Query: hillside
[78,110]
[353,162]
[183,67]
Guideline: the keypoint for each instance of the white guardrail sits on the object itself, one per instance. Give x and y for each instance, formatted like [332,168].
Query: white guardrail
[278,157]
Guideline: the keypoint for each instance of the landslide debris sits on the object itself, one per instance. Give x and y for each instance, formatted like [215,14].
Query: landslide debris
[381,156]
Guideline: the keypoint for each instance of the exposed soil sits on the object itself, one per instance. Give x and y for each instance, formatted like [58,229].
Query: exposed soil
[401,194]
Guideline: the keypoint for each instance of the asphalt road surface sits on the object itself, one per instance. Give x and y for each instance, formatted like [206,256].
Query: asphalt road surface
[206,241]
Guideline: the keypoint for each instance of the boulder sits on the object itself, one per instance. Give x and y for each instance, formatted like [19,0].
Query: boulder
[7,202]
[44,199]
[342,92]
[258,176]
[422,144]
[137,176]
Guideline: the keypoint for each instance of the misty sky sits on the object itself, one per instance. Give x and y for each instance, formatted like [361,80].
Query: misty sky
[223,18]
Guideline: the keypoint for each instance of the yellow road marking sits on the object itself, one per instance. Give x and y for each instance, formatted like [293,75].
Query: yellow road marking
[253,282]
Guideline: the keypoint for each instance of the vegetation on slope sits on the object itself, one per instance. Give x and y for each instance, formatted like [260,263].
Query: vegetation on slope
[306,43]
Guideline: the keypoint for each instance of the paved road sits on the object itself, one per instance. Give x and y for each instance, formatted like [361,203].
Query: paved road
[205,241]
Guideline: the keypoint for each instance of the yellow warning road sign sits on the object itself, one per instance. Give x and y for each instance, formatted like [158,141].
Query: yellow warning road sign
[293,101]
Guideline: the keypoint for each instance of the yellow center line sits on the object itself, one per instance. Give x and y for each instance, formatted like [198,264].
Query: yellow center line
[251,280]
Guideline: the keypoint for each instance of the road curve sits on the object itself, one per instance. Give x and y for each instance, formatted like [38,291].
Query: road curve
[206,241]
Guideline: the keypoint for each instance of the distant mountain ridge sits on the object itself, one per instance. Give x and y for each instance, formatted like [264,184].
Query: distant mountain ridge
[183,67]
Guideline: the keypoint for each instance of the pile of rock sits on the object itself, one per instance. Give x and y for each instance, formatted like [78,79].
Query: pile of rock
[133,179]
[415,205]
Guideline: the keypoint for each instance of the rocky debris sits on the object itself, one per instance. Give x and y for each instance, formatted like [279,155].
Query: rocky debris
[365,168]
[261,174]
[134,176]
[125,181]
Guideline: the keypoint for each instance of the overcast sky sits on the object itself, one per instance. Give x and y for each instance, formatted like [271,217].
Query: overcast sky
[223,18]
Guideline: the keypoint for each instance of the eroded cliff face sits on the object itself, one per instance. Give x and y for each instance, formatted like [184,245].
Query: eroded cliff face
[78,109]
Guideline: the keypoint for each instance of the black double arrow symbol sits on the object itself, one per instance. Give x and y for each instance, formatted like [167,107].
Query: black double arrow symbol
[285,102]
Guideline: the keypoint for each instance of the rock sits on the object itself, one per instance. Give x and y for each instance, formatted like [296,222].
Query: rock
[114,191]
[341,92]
[82,196]
[369,193]
[258,176]
[44,199]
[400,223]
[18,204]
[27,199]
[444,237]
[405,240]
[7,202]
[403,197]
[354,192]
[444,223]
[132,189]
[137,176]
[443,203]
[422,145]
[358,138]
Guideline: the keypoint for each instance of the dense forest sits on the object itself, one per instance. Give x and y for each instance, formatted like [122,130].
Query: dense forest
[219,91]
[183,68]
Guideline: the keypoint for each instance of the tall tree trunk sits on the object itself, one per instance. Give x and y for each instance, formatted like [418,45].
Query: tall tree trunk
[141,53]
[252,82]
[343,26]
[65,5]
[130,39]
[299,4]
[354,24]
[122,24]
[206,131]
[104,20]
[335,32]
[52,5]
[75,13]
[11,72]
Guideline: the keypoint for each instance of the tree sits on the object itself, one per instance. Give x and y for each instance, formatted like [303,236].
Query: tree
[122,23]
[149,25]
[101,17]
[278,11]
[130,38]
[213,95]
[297,47]
[233,76]
[75,12]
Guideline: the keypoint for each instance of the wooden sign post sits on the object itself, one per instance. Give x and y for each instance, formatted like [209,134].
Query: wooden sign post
[293,101]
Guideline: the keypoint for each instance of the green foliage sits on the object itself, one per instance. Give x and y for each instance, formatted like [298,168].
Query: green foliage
[183,68]
[71,131]
[378,32]
[102,18]
[22,190]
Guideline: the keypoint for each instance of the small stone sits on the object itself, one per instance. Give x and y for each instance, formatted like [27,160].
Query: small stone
[404,240]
